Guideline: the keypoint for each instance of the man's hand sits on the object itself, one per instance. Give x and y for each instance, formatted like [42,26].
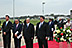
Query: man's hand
[31,38]
[15,35]
[36,37]
[4,33]
[46,38]
[23,36]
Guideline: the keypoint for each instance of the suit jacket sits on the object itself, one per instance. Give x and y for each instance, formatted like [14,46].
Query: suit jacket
[51,26]
[28,32]
[7,28]
[55,22]
[19,29]
[61,24]
[43,31]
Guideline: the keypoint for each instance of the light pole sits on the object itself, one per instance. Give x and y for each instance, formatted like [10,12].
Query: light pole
[13,9]
[43,7]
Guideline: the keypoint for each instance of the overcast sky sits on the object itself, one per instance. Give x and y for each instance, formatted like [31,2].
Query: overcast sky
[31,7]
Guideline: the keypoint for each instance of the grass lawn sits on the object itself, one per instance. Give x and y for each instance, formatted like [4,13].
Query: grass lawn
[71,19]
[33,21]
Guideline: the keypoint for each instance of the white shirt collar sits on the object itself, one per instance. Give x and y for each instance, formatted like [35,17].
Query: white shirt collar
[28,24]
[42,22]
[50,22]
[7,22]
[17,24]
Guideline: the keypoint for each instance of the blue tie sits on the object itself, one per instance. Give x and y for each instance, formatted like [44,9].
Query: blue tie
[40,25]
[6,24]
[27,25]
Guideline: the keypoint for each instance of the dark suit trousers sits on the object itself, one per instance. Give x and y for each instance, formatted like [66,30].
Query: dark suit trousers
[17,42]
[51,35]
[7,42]
[42,43]
[29,43]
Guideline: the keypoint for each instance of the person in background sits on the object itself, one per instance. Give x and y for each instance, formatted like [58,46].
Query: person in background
[17,28]
[0,22]
[55,22]
[68,24]
[28,33]
[52,28]
[25,22]
[6,29]
[42,33]
[61,23]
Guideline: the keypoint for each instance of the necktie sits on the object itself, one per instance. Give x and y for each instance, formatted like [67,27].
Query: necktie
[16,26]
[6,24]
[40,25]
[49,23]
[27,25]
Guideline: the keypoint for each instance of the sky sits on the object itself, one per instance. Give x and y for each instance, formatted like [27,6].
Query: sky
[34,7]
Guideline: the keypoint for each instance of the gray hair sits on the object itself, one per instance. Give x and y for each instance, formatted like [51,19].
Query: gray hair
[16,19]
[27,18]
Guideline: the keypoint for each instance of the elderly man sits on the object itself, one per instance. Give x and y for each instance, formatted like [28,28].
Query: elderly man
[7,32]
[28,33]
[17,28]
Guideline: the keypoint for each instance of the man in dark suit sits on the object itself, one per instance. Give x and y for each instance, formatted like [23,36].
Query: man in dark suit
[55,22]
[42,33]
[28,33]
[51,27]
[61,23]
[17,28]
[6,27]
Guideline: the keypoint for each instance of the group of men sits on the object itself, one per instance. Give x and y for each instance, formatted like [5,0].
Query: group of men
[43,31]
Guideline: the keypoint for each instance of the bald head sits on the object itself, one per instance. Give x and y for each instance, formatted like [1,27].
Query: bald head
[27,20]
[16,21]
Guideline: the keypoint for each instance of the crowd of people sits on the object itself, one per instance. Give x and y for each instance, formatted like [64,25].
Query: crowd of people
[43,31]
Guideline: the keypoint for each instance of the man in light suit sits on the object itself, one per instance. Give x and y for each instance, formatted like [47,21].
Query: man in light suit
[6,27]
[28,33]
[42,33]
[17,28]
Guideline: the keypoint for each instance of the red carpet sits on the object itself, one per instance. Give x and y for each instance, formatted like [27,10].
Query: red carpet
[51,44]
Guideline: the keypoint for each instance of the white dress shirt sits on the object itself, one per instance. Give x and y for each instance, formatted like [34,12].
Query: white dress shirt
[17,25]
[68,24]
[50,23]
[60,21]
[41,24]
[7,22]
[28,24]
